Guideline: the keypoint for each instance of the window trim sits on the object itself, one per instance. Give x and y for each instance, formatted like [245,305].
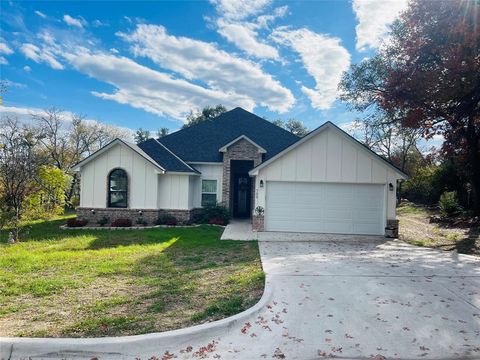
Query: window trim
[208,192]
[109,192]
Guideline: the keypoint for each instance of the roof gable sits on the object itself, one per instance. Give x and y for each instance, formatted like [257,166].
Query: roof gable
[225,147]
[201,142]
[110,145]
[340,132]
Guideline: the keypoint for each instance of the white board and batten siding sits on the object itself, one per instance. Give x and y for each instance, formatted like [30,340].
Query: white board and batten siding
[147,188]
[142,178]
[209,171]
[335,179]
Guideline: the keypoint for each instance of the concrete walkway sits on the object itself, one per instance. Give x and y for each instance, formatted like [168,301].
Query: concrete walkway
[345,299]
[239,229]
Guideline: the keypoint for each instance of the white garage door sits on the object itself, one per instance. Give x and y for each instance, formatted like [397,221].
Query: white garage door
[325,208]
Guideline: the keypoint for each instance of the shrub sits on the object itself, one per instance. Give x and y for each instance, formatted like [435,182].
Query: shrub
[103,221]
[76,222]
[216,212]
[216,221]
[448,203]
[142,221]
[122,223]
[166,220]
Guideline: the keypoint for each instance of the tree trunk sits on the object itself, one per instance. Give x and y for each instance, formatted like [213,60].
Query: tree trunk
[474,160]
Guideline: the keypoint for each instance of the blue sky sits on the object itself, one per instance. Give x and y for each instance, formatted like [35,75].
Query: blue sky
[146,64]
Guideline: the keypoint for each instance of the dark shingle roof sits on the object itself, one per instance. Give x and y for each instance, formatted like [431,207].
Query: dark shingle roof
[164,157]
[201,142]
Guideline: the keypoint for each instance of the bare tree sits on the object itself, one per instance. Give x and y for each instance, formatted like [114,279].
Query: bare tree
[18,167]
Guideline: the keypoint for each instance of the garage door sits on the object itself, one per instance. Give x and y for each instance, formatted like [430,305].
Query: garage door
[325,208]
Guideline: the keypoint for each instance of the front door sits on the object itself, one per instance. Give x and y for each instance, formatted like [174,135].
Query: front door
[242,193]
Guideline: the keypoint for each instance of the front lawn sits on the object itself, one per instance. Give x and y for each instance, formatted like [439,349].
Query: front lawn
[75,283]
[460,234]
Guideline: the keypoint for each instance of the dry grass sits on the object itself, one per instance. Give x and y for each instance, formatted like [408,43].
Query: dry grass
[456,234]
[79,283]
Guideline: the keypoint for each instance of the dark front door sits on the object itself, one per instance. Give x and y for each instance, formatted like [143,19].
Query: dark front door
[242,192]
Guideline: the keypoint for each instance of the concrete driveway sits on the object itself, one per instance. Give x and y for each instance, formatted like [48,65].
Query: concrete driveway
[338,298]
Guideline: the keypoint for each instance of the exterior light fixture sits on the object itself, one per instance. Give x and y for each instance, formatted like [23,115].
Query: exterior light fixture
[390,187]
[261,183]
[92,211]
[140,212]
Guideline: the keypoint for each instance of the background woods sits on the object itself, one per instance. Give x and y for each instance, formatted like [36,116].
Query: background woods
[425,81]
[36,160]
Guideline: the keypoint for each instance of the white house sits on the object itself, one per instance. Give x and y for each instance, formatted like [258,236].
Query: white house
[324,182]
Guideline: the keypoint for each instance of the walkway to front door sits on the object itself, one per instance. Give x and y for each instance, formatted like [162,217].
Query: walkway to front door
[239,229]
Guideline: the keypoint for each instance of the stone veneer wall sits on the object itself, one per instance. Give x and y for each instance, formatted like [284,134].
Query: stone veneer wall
[241,150]
[393,223]
[150,215]
[258,223]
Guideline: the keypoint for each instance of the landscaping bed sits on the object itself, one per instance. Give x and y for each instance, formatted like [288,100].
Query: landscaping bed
[65,283]
[423,226]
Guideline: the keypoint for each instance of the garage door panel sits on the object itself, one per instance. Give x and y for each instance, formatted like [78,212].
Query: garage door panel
[325,207]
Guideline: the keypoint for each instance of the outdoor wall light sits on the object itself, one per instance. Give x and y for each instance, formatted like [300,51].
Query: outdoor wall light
[92,211]
[390,187]
[140,212]
[261,183]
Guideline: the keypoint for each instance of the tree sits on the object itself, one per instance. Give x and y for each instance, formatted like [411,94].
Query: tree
[65,140]
[427,77]
[19,162]
[162,132]
[141,135]
[206,114]
[50,193]
[294,126]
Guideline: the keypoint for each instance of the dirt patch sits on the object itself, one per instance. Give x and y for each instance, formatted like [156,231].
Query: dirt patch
[416,227]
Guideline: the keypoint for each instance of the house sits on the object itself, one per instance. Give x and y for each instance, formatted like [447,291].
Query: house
[325,182]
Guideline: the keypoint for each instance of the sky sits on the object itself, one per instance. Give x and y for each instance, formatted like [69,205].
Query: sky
[148,64]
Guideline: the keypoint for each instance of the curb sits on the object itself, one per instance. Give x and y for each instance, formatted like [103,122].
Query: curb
[122,346]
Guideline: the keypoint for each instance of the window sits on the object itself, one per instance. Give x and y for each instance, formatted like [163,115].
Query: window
[117,189]
[209,192]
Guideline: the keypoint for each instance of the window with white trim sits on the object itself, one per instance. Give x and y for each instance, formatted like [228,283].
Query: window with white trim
[209,192]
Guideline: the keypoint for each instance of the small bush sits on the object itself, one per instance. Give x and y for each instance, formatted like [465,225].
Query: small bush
[142,221]
[448,203]
[216,212]
[76,222]
[167,220]
[103,221]
[216,221]
[122,223]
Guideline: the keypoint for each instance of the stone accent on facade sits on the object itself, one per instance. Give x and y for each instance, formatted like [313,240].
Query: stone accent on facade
[258,223]
[241,150]
[392,228]
[149,215]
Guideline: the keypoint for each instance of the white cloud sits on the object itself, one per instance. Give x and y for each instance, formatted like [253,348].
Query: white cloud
[324,58]
[3,61]
[232,24]
[147,89]
[38,55]
[245,38]
[5,49]
[374,18]
[39,13]
[73,21]
[27,68]
[14,84]
[202,61]
[239,9]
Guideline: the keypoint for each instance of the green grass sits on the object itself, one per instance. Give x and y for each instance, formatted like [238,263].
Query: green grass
[101,282]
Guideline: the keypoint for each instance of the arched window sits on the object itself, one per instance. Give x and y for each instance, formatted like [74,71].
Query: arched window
[117,189]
